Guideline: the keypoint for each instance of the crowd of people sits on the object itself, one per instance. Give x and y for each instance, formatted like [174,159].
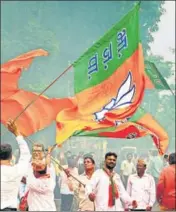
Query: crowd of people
[81,182]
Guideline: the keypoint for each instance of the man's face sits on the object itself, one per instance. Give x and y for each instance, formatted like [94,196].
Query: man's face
[129,157]
[140,169]
[88,165]
[110,162]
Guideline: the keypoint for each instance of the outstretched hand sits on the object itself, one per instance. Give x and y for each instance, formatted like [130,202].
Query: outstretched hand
[12,127]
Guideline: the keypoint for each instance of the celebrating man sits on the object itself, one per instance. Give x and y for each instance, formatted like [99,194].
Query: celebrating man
[106,188]
[41,181]
[11,175]
[84,204]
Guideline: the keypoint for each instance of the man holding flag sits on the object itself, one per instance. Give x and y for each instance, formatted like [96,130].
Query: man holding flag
[106,188]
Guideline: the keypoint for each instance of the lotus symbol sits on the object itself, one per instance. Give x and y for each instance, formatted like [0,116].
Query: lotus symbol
[123,99]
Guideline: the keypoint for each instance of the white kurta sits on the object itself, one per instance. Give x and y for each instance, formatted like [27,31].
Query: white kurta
[12,175]
[99,184]
[41,191]
[142,190]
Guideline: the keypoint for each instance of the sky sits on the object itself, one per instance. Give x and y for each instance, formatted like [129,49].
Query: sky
[165,39]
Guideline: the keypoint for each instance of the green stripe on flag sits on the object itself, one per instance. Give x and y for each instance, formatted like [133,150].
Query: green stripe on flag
[138,114]
[94,133]
[101,60]
[156,78]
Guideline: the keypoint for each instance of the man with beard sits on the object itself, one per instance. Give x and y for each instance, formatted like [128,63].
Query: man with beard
[84,204]
[106,189]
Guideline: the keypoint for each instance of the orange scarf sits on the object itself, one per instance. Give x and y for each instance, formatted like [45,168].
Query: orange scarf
[113,190]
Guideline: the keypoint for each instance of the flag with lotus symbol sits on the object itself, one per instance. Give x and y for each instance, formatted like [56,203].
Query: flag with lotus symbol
[139,125]
[109,81]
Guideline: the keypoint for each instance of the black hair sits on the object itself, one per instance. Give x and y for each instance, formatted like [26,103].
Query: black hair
[172,158]
[5,152]
[111,154]
[166,156]
[89,157]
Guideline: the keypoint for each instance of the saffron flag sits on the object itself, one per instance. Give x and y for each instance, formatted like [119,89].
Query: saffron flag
[13,100]
[139,125]
[109,80]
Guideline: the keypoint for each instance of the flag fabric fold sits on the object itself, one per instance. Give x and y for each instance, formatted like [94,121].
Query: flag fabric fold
[13,100]
[139,125]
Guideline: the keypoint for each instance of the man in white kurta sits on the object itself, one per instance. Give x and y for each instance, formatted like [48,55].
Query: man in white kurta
[41,191]
[141,187]
[11,175]
[98,187]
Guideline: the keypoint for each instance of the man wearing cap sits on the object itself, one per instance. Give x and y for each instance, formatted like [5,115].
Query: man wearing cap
[141,187]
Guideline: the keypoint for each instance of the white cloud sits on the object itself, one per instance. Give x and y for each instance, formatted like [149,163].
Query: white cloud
[164,38]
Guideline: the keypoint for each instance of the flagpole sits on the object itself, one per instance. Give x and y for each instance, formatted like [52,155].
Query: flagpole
[52,148]
[172,92]
[35,99]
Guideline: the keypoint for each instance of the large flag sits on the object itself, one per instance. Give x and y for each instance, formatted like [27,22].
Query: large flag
[139,125]
[109,80]
[42,112]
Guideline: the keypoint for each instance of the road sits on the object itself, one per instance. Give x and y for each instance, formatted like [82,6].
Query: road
[155,208]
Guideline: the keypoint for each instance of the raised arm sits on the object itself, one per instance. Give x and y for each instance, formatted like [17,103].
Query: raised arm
[25,156]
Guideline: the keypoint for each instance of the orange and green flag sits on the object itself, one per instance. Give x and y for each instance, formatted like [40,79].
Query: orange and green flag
[109,80]
[139,125]
[154,78]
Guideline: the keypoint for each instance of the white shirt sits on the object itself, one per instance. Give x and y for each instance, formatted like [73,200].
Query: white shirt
[41,191]
[63,181]
[11,176]
[127,167]
[84,204]
[99,184]
[142,190]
